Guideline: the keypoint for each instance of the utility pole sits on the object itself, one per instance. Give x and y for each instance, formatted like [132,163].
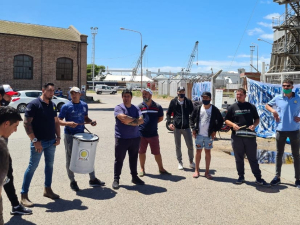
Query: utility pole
[94,31]
[251,56]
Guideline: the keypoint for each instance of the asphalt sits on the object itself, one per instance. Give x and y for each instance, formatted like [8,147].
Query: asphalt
[176,199]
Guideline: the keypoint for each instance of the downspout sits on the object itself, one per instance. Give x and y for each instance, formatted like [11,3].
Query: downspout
[78,66]
[41,64]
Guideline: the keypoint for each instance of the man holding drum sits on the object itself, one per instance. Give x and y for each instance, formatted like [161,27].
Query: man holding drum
[242,117]
[75,114]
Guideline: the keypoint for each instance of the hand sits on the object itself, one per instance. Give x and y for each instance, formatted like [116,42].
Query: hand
[38,146]
[297,119]
[57,141]
[194,133]
[252,127]
[125,119]
[94,123]
[213,135]
[276,116]
[72,124]
[235,127]
[171,126]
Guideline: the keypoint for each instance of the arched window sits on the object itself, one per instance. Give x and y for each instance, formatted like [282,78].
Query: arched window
[64,69]
[23,67]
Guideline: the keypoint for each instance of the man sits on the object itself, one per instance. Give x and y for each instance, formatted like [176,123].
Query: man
[182,109]
[287,119]
[127,137]
[58,93]
[82,96]
[9,121]
[153,114]
[243,115]
[205,121]
[75,113]
[42,127]
[6,93]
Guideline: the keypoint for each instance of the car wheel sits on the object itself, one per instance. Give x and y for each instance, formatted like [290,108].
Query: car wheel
[59,106]
[99,92]
[21,107]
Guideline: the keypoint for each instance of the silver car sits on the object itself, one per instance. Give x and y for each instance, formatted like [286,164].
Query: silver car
[21,100]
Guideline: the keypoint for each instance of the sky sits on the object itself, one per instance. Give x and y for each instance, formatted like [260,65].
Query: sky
[225,30]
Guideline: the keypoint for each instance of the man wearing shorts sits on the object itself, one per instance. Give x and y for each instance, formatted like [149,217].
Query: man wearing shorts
[152,114]
[205,121]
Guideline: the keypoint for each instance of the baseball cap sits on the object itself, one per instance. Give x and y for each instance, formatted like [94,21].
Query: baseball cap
[180,88]
[8,90]
[148,90]
[206,93]
[75,89]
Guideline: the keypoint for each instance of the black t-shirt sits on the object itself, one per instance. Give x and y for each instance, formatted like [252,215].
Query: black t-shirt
[43,114]
[242,114]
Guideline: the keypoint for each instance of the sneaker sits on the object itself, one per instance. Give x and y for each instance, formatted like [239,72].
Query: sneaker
[136,180]
[115,184]
[275,181]
[240,180]
[262,182]
[192,165]
[297,183]
[96,183]
[180,166]
[74,186]
[21,210]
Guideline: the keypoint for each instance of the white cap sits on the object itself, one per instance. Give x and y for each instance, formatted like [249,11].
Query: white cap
[75,89]
[8,90]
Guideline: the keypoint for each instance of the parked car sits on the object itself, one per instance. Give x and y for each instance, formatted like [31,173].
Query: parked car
[137,88]
[21,100]
[102,88]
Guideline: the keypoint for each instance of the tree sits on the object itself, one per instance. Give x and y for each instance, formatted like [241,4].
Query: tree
[98,69]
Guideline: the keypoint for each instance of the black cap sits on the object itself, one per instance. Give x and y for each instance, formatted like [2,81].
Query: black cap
[2,92]
[206,93]
[180,89]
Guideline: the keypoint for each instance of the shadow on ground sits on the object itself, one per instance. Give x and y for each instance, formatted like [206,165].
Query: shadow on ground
[173,178]
[17,219]
[61,205]
[145,189]
[97,193]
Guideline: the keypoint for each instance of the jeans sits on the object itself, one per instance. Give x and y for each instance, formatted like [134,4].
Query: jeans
[281,137]
[187,134]
[49,152]
[68,147]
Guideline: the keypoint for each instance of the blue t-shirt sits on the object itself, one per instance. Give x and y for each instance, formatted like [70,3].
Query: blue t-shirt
[151,115]
[58,93]
[43,114]
[74,112]
[287,109]
[126,131]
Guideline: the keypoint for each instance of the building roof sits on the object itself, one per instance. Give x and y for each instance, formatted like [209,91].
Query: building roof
[33,30]
[110,77]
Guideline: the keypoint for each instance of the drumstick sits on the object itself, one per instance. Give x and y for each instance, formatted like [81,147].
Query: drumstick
[243,126]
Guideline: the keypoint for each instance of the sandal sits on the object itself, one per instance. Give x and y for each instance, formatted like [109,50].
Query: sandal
[208,176]
[142,173]
[164,172]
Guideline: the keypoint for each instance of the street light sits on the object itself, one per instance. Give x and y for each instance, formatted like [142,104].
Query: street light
[259,39]
[122,28]
[257,56]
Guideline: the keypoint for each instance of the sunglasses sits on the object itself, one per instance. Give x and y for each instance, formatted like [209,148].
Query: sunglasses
[286,85]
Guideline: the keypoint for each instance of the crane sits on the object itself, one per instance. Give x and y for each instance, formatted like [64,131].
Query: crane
[138,63]
[187,70]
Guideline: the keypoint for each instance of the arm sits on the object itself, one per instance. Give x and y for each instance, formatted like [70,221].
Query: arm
[160,119]
[169,111]
[28,128]
[137,121]
[57,131]
[90,121]
[160,114]
[193,118]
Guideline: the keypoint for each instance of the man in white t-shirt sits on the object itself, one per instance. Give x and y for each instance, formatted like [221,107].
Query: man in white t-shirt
[205,121]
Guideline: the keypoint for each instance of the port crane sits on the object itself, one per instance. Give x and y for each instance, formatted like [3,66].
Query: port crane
[138,63]
[187,70]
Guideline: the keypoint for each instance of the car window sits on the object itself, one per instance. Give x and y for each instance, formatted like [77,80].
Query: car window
[33,94]
[17,95]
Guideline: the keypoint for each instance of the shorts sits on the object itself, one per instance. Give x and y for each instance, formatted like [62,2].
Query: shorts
[154,145]
[204,142]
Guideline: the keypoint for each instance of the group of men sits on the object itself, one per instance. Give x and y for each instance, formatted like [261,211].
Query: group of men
[136,128]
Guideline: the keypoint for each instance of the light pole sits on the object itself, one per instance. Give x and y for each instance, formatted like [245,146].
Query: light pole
[257,56]
[259,39]
[94,31]
[122,28]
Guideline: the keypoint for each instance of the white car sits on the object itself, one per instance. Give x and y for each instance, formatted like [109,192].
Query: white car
[21,100]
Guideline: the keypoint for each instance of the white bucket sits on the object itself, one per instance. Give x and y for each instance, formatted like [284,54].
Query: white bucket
[83,153]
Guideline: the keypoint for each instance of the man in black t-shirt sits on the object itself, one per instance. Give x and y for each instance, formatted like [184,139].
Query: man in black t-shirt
[243,115]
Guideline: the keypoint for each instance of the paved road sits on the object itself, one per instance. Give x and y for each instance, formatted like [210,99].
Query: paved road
[177,199]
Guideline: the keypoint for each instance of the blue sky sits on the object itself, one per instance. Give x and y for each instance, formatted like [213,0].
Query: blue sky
[169,28]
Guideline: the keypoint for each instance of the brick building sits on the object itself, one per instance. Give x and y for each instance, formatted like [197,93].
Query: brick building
[31,55]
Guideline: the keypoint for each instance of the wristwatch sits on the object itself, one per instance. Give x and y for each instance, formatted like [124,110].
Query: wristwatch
[34,140]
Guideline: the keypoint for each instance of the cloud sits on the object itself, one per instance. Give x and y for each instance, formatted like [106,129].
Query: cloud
[255,31]
[267,36]
[265,2]
[270,16]
[269,25]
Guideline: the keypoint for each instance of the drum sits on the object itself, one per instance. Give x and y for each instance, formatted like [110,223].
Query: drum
[83,153]
[245,133]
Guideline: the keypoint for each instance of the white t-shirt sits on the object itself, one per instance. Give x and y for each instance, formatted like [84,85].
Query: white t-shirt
[204,120]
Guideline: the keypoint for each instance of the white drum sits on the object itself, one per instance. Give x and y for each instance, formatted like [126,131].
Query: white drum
[83,153]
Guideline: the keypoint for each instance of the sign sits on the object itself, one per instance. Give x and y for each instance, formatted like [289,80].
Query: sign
[219,98]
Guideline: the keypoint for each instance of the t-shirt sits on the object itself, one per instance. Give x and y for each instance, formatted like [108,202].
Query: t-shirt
[126,131]
[58,93]
[74,112]
[43,114]
[287,109]
[151,115]
[242,114]
[204,120]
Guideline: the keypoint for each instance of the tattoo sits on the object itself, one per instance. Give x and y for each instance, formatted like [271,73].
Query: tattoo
[27,125]
[135,122]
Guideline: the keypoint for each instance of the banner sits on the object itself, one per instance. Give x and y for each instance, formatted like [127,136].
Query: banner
[259,94]
[199,88]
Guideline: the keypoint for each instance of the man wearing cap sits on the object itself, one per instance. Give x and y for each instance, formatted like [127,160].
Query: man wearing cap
[205,121]
[75,113]
[182,108]
[42,127]
[153,114]
[6,93]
